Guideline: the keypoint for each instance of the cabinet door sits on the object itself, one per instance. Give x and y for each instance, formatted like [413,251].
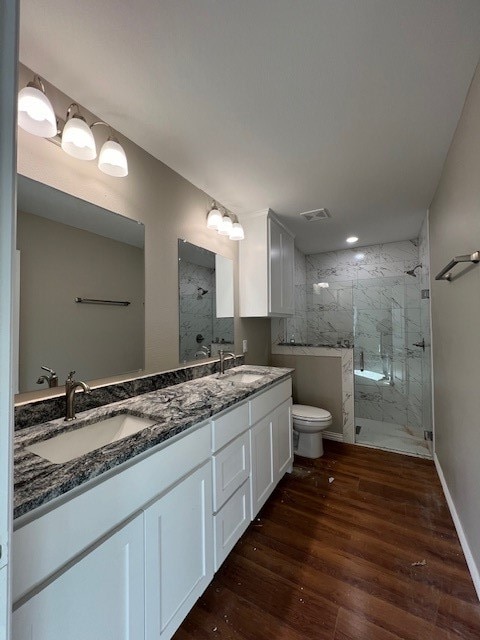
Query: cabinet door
[275,267]
[263,478]
[101,596]
[281,270]
[282,441]
[288,270]
[178,552]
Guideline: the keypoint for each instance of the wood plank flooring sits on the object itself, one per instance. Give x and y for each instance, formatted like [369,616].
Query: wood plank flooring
[336,560]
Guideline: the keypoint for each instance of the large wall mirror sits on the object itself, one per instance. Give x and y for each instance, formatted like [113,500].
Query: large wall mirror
[205,302]
[80,288]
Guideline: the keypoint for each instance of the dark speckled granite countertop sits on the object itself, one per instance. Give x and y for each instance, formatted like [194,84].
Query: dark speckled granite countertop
[174,409]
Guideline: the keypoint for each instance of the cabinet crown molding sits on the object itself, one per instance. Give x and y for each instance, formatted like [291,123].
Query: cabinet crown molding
[268,213]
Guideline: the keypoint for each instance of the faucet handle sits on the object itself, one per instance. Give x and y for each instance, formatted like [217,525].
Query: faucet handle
[48,369]
[70,376]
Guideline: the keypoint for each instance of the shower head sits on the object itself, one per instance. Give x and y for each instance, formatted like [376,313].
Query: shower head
[411,272]
[201,292]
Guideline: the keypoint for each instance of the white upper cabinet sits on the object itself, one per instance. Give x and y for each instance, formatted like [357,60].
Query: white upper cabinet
[266,263]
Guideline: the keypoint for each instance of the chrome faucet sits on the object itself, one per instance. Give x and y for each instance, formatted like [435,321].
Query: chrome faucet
[70,385]
[224,355]
[51,379]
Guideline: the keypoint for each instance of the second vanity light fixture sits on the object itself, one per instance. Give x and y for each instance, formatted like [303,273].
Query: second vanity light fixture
[37,116]
[223,224]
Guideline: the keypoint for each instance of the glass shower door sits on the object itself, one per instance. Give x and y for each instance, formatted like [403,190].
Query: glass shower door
[389,402]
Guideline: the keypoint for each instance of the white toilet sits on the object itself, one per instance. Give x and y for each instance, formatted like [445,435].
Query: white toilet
[308,424]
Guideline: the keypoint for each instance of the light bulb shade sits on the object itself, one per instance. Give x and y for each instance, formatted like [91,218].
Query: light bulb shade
[214,218]
[35,113]
[225,226]
[112,160]
[237,232]
[78,140]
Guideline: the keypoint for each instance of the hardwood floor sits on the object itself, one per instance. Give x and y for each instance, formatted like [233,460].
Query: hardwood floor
[337,560]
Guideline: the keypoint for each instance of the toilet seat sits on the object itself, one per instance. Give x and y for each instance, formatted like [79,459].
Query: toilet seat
[304,413]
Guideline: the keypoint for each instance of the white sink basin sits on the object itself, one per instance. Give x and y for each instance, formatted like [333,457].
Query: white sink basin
[73,444]
[243,377]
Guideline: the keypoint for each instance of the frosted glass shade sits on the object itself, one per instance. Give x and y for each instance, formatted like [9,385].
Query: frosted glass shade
[237,232]
[214,218]
[78,140]
[35,113]
[225,226]
[112,160]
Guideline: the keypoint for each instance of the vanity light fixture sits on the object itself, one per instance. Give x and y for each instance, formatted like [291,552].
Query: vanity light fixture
[77,137]
[37,116]
[214,217]
[112,159]
[237,232]
[223,224]
[226,225]
[35,111]
[352,239]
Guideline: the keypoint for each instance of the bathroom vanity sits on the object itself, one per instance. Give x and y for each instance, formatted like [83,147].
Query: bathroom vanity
[121,542]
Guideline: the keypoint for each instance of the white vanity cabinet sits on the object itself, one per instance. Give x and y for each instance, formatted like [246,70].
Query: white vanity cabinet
[126,558]
[129,556]
[266,267]
[100,596]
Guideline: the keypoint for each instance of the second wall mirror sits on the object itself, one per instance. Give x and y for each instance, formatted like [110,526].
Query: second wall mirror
[205,302]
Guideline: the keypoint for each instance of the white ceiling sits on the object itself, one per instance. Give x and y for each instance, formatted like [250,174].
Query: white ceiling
[288,104]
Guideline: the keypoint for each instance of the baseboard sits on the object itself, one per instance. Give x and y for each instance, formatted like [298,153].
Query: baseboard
[472,566]
[331,435]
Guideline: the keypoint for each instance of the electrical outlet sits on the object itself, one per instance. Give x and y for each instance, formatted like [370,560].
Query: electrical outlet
[245,346]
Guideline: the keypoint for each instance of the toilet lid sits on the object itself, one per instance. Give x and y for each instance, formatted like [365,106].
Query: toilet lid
[305,412]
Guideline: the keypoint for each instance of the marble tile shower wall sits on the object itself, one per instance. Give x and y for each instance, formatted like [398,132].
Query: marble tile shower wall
[195,309]
[198,311]
[370,300]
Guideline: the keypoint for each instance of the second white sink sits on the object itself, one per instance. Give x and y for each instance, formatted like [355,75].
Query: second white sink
[73,444]
[243,377]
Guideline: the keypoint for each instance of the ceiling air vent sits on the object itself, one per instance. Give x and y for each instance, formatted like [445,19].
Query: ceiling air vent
[316,214]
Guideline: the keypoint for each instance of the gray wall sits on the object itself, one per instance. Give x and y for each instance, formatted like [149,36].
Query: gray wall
[57,264]
[317,381]
[168,205]
[454,230]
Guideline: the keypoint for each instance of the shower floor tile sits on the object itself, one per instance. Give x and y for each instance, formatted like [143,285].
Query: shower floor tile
[391,437]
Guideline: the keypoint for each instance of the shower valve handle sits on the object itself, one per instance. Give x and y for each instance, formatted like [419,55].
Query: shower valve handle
[420,344]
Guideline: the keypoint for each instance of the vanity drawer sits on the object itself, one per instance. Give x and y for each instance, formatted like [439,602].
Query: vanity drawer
[229,426]
[231,522]
[269,400]
[231,467]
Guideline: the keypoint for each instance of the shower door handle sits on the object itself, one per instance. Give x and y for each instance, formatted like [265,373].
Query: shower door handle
[420,344]
[362,361]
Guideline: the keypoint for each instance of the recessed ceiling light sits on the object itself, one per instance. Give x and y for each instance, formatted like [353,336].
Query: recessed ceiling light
[352,239]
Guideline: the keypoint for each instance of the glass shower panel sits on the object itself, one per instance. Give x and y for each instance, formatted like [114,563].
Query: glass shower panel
[388,367]
[330,312]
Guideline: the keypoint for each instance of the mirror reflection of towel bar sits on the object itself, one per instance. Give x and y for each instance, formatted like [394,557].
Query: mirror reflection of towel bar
[118,303]
[445,272]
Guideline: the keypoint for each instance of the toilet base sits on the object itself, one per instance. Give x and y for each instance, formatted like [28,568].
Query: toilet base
[310,445]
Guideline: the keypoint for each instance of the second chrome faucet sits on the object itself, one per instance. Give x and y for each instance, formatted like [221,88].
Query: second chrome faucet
[223,355]
[70,385]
